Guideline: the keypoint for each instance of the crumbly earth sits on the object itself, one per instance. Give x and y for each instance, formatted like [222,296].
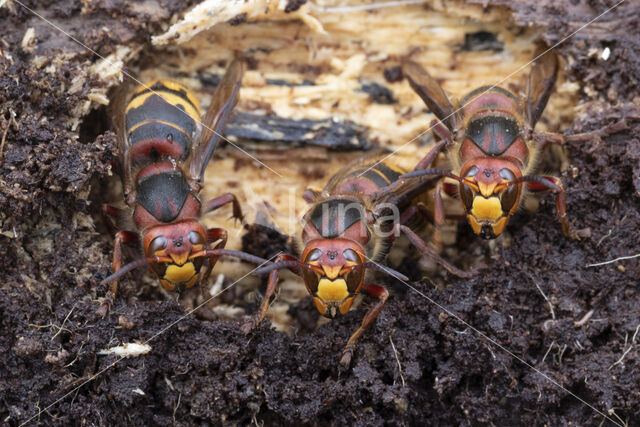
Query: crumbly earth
[436,354]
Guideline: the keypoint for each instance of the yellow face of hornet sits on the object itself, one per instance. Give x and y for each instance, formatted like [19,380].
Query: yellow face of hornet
[489,199]
[332,281]
[177,248]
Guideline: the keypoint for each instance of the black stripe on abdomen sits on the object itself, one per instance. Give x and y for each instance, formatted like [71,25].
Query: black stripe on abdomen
[159,87]
[156,108]
[381,175]
[389,173]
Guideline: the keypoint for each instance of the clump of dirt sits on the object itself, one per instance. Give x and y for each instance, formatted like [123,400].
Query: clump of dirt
[436,353]
[264,241]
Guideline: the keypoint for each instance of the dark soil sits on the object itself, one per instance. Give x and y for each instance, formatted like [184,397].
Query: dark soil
[200,372]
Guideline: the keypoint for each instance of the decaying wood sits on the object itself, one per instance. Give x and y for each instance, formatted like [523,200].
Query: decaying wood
[335,83]
[327,75]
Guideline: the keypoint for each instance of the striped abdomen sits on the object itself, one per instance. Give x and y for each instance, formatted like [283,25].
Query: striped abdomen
[368,179]
[161,122]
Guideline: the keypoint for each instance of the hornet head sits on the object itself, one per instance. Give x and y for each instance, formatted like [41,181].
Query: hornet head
[489,194]
[334,274]
[178,249]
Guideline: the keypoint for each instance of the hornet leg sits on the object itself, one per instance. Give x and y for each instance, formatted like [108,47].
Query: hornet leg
[425,249]
[220,201]
[122,237]
[444,135]
[110,215]
[374,291]
[264,305]
[431,155]
[438,216]
[423,164]
[213,235]
[542,139]
[554,184]
[111,211]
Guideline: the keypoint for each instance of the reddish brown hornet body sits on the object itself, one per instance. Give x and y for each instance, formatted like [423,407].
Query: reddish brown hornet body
[160,137]
[345,233]
[492,147]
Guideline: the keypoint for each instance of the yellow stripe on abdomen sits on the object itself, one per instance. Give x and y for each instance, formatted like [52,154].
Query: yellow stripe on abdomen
[170,98]
[163,102]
